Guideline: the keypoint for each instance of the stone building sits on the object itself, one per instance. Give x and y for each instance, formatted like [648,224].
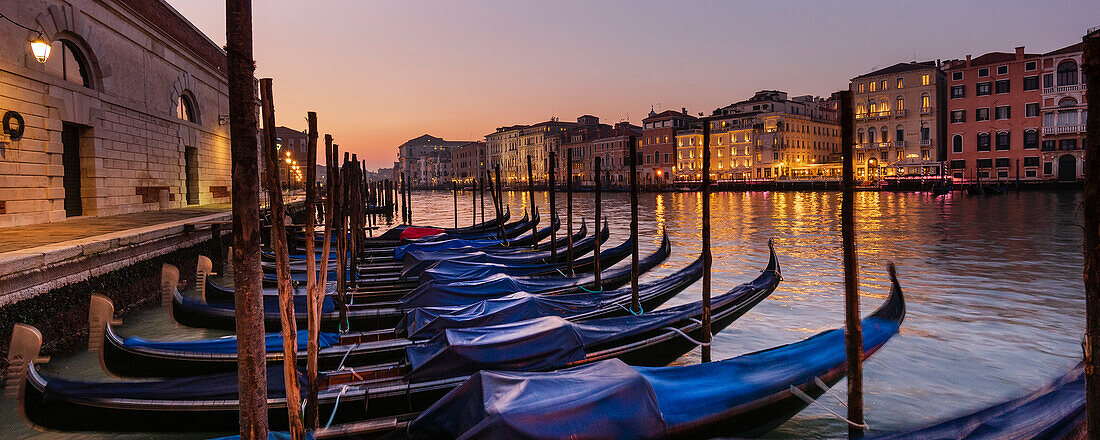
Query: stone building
[580,140]
[1064,109]
[510,146]
[994,124]
[767,136]
[900,121]
[614,149]
[293,145]
[421,160]
[658,144]
[128,113]
[469,163]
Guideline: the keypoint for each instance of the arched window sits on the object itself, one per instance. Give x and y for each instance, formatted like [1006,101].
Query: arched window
[871,135]
[900,104]
[925,102]
[1067,73]
[885,133]
[69,63]
[859,136]
[185,109]
[957,144]
[1067,102]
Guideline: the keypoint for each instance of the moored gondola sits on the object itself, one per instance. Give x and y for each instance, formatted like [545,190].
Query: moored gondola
[431,370]
[139,357]
[382,311]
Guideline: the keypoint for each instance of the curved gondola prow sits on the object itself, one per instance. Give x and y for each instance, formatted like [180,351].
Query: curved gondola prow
[169,281]
[23,350]
[894,307]
[203,270]
[773,260]
[101,311]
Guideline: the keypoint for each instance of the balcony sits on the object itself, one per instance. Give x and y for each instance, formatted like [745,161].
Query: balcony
[899,144]
[883,145]
[1063,89]
[1060,129]
[883,114]
[926,110]
[861,116]
[899,113]
[925,142]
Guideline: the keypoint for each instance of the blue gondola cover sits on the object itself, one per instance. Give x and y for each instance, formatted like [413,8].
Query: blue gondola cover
[228,344]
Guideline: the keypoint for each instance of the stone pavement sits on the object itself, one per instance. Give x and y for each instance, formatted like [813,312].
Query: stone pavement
[25,237]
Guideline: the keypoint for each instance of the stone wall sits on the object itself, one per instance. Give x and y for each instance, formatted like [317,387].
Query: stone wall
[131,144]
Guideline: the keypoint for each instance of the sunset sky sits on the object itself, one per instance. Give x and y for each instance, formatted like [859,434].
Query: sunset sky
[381,72]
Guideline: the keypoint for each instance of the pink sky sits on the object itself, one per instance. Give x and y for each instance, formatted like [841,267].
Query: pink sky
[381,72]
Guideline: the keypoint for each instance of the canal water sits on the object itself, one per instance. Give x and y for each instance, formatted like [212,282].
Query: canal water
[993,289]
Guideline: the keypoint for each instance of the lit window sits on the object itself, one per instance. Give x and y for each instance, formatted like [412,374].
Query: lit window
[185,109]
[900,105]
[925,79]
[900,83]
[925,101]
[873,88]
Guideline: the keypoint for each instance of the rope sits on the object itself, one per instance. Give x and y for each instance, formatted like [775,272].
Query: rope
[632,312]
[810,400]
[335,406]
[685,335]
[346,353]
[591,291]
[353,372]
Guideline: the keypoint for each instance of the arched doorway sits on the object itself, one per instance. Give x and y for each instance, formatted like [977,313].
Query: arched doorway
[1067,168]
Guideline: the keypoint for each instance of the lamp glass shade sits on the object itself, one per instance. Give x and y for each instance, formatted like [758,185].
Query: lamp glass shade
[41,49]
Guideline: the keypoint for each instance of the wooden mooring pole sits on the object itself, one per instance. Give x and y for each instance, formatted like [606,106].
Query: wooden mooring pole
[473,202]
[341,233]
[318,288]
[853,329]
[1091,65]
[282,265]
[247,275]
[481,185]
[553,207]
[499,200]
[531,189]
[707,259]
[569,207]
[635,306]
[313,299]
[454,190]
[598,285]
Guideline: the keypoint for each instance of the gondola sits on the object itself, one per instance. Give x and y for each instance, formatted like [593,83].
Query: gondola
[298,269]
[384,311]
[431,370]
[995,189]
[744,396]
[393,284]
[138,357]
[403,234]
[1054,412]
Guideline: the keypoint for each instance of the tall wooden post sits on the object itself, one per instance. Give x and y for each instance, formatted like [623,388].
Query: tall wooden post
[282,259]
[1091,66]
[481,184]
[499,200]
[314,298]
[318,292]
[569,207]
[635,306]
[531,187]
[401,195]
[247,275]
[853,330]
[596,252]
[454,190]
[553,207]
[473,201]
[707,258]
[342,233]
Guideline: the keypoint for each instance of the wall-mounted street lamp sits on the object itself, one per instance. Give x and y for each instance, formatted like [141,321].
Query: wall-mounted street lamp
[40,48]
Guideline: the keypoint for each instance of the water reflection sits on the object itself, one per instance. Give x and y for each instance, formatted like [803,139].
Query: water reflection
[993,287]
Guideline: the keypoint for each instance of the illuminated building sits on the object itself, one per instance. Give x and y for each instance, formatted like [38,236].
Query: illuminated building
[1064,109]
[900,121]
[658,145]
[994,122]
[126,114]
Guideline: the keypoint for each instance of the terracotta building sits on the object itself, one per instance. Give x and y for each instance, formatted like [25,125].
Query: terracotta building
[127,114]
[614,149]
[994,124]
[1064,109]
[581,141]
[900,121]
[658,145]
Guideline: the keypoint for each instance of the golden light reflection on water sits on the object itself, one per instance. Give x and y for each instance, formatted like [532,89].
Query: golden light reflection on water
[992,284]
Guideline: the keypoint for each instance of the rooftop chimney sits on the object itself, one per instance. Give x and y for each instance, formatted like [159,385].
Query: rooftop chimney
[968,60]
[684,110]
[1020,53]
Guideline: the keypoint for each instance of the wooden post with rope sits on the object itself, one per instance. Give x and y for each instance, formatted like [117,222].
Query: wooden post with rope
[247,275]
[1091,66]
[282,265]
[598,284]
[707,258]
[853,329]
[635,305]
